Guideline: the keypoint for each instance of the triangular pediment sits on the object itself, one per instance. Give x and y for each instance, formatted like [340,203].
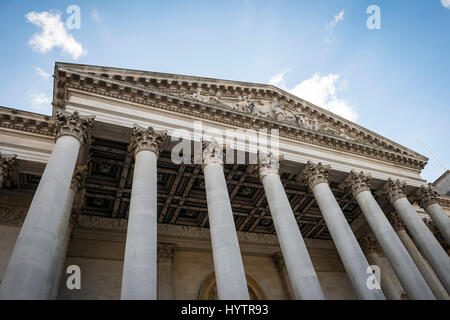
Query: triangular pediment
[260,101]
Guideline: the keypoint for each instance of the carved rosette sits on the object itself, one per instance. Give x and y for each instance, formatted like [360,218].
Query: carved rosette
[268,164]
[212,153]
[427,196]
[165,254]
[395,221]
[147,139]
[7,163]
[357,182]
[314,174]
[79,178]
[394,190]
[279,261]
[369,244]
[72,124]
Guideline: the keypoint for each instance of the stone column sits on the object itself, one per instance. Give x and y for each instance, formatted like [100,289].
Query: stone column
[7,163]
[410,277]
[304,282]
[284,276]
[430,277]
[390,284]
[429,201]
[139,266]
[352,257]
[29,272]
[77,183]
[165,259]
[228,266]
[434,252]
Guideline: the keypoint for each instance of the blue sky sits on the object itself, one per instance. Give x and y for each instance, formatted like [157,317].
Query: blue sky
[394,80]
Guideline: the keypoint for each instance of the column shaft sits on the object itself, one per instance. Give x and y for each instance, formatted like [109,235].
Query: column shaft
[301,271]
[228,266]
[405,269]
[434,252]
[441,220]
[61,250]
[139,269]
[29,272]
[430,277]
[352,257]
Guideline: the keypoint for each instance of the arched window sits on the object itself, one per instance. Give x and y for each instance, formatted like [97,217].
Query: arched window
[208,289]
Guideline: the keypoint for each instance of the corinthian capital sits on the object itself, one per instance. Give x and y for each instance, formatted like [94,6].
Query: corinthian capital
[313,174]
[369,244]
[395,221]
[212,152]
[7,163]
[165,253]
[147,139]
[79,178]
[394,190]
[72,124]
[427,196]
[268,164]
[357,182]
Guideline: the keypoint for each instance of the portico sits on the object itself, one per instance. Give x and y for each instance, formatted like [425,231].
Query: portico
[309,209]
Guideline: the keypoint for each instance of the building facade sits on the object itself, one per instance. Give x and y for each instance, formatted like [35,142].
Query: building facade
[163,186]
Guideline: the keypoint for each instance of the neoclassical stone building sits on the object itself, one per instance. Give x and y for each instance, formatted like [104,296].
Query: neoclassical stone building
[98,185]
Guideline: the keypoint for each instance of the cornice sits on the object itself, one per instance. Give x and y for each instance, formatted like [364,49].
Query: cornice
[133,92]
[26,122]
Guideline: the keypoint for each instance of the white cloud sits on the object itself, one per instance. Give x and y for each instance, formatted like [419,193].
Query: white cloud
[95,15]
[332,24]
[53,34]
[42,73]
[446,3]
[323,92]
[277,80]
[37,99]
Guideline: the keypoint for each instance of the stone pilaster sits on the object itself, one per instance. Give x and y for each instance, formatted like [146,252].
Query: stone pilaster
[395,221]
[369,244]
[165,261]
[357,182]
[7,163]
[284,276]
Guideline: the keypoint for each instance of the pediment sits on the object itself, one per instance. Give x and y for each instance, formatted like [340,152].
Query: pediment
[249,100]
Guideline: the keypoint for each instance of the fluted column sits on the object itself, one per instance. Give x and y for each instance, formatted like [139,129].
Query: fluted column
[352,257]
[390,284]
[140,262]
[29,272]
[404,267]
[429,201]
[7,163]
[434,252]
[77,183]
[430,277]
[305,284]
[228,266]
[165,260]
